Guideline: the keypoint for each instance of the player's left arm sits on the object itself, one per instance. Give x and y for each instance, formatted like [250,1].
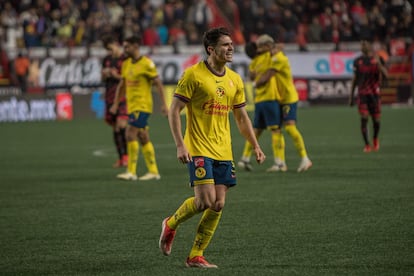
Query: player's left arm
[382,67]
[160,89]
[353,84]
[246,129]
[115,73]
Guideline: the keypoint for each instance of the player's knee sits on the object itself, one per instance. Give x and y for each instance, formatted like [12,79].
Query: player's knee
[143,137]
[218,205]
[203,204]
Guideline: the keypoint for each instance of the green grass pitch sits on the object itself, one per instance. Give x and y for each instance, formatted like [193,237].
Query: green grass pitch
[63,212]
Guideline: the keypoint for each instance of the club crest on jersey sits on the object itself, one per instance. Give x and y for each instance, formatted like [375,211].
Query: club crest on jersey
[199,162]
[220,91]
[286,109]
[200,172]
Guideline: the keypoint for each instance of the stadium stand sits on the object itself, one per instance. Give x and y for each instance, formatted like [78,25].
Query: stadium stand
[54,23]
[174,26]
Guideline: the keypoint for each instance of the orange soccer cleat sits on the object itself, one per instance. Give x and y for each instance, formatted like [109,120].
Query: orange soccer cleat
[166,238]
[200,262]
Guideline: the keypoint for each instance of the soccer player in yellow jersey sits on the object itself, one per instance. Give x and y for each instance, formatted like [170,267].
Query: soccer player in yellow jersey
[139,74]
[210,90]
[280,69]
[267,110]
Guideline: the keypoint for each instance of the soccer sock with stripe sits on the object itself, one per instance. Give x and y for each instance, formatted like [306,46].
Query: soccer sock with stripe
[149,156]
[278,146]
[364,130]
[247,152]
[133,149]
[205,231]
[377,126]
[120,142]
[297,140]
[183,213]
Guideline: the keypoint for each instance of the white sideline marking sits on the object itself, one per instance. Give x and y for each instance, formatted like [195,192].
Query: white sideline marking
[104,152]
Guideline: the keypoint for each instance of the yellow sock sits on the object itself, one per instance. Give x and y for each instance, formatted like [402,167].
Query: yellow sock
[297,139]
[205,231]
[184,212]
[278,146]
[133,149]
[149,156]
[247,151]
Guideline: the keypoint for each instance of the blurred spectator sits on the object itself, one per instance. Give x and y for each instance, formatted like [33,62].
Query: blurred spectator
[162,31]
[176,35]
[357,12]
[150,37]
[231,13]
[10,23]
[4,64]
[364,30]
[84,10]
[200,15]
[347,33]
[193,37]
[116,12]
[290,23]
[29,19]
[62,23]
[314,31]
[80,34]
[21,70]
[248,17]
[273,16]
[146,12]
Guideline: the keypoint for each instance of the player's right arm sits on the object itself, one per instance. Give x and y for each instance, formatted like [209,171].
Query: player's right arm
[174,119]
[120,92]
[106,71]
[265,77]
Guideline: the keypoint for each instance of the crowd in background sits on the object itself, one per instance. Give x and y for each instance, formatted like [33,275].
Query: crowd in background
[61,23]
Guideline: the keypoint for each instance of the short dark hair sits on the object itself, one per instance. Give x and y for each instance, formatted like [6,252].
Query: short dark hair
[250,49]
[134,39]
[108,39]
[211,37]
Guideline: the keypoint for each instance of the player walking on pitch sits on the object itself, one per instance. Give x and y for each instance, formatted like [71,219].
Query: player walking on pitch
[209,90]
[280,69]
[139,73]
[111,74]
[369,70]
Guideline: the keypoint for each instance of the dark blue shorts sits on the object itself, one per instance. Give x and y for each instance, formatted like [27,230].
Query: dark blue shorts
[267,115]
[138,119]
[288,111]
[204,170]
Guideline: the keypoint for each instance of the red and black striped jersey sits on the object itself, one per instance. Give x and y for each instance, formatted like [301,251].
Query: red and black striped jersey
[368,74]
[111,83]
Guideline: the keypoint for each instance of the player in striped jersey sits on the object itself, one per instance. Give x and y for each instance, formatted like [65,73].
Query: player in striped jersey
[111,74]
[369,70]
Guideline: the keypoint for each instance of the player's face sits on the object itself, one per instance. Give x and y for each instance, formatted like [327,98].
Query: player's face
[111,48]
[223,51]
[129,49]
[365,46]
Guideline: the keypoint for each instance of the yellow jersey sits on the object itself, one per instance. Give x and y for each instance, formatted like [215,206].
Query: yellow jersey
[284,79]
[209,99]
[138,78]
[267,92]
